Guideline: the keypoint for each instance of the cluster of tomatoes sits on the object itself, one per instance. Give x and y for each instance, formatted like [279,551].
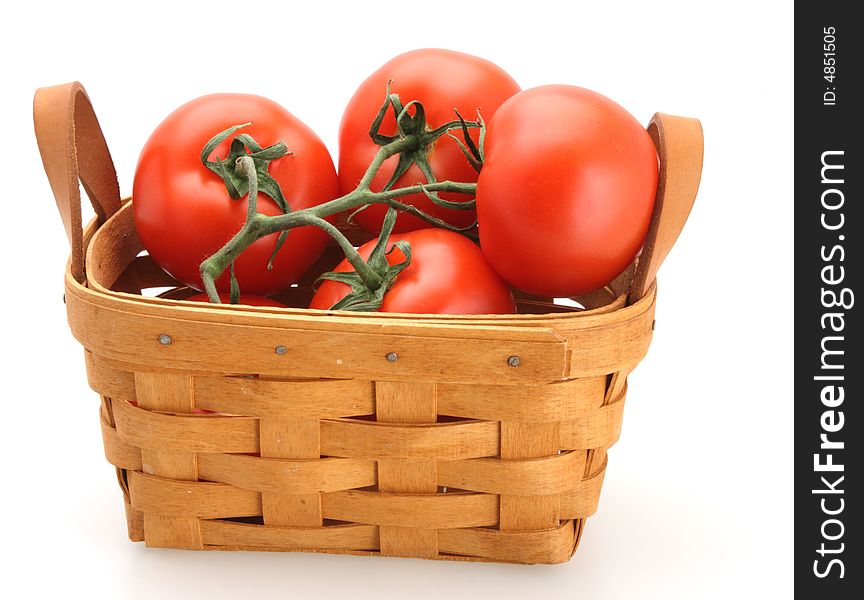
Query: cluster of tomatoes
[564,193]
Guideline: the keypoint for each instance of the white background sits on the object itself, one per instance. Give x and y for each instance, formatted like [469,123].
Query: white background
[697,499]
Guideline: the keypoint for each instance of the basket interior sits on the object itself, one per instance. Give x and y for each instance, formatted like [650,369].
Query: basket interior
[135,272]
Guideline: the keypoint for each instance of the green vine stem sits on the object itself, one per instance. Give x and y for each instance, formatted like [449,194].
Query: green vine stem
[413,138]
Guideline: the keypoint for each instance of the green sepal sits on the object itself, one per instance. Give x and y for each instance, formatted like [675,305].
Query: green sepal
[244,145]
[467,205]
[350,219]
[469,142]
[475,164]
[283,235]
[375,129]
[481,138]
[408,124]
[362,298]
[406,159]
[234,297]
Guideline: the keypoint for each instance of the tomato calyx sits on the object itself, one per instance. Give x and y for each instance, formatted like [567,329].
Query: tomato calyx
[366,295]
[407,126]
[235,178]
[415,127]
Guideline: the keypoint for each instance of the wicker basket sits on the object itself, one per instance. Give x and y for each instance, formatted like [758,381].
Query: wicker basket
[469,438]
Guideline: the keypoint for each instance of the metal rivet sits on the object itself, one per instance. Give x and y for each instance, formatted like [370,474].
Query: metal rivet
[281,349]
[164,339]
[392,357]
[64,298]
[514,361]
[653,324]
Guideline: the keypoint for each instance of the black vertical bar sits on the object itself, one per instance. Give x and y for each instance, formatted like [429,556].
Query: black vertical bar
[829,361]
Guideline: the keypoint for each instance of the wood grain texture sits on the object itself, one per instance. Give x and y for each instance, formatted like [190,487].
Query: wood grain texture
[287,476]
[298,399]
[555,474]
[529,440]
[414,403]
[550,546]
[123,334]
[432,511]
[438,441]
[335,537]
[558,401]
[164,392]
[185,432]
[283,437]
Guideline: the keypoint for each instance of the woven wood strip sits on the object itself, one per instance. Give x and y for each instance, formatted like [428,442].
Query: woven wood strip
[401,402]
[282,476]
[530,477]
[158,496]
[319,399]
[335,537]
[429,511]
[621,346]
[107,380]
[119,453]
[441,441]
[166,392]
[560,401]
[553,545]
[602,430]
[582,502]
[121,332]
[529,440]
[185,433]
[283,437]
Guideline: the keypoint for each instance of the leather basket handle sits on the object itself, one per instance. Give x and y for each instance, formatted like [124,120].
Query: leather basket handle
[73,149]
[679,145]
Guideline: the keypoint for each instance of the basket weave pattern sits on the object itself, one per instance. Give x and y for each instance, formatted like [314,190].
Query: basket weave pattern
[353,464]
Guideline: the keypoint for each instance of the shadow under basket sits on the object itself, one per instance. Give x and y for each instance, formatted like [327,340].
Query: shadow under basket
[259,428]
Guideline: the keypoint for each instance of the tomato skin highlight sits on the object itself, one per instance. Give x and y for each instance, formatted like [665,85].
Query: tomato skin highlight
[448,274]
[183,212]
[441,80]
[247,299]
[566,193]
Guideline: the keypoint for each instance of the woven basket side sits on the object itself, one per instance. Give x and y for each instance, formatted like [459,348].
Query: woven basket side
[431,483]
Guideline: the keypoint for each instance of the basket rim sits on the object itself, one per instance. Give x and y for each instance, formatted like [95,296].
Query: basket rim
[617,309]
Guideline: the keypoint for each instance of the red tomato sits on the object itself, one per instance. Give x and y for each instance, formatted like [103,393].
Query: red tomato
[566,192]
[441,80]
[448,275]
[183,212]
[247,299]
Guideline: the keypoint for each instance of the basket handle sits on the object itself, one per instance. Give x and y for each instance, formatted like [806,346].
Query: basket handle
[73,148]
[680,148]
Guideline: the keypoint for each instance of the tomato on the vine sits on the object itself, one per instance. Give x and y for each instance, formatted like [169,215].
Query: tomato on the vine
[565,196]
[183,211]
[441,80]
[448,274]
